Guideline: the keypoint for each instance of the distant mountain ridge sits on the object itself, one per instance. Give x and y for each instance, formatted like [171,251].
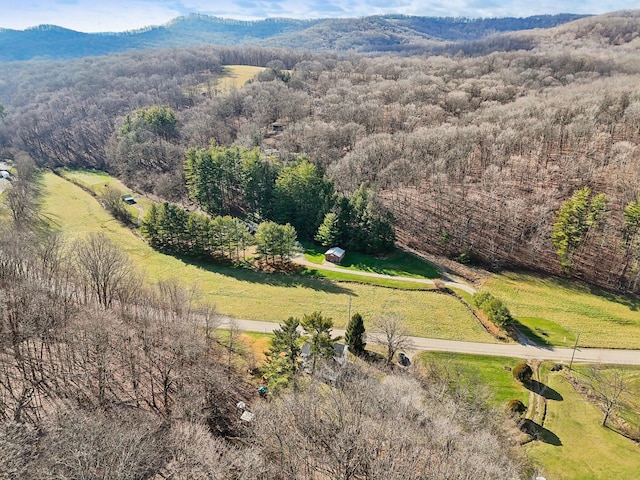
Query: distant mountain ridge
[369,34]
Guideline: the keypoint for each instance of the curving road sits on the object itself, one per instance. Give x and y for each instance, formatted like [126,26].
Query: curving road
[582,355]
[301,260]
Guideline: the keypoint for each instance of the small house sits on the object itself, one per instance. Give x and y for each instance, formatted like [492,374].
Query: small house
[334,255]
[327,367]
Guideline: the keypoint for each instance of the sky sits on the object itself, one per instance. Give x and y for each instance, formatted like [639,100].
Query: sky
[122,15]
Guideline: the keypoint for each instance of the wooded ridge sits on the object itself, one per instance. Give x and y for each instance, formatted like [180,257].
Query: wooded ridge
[474,155]
[395,33]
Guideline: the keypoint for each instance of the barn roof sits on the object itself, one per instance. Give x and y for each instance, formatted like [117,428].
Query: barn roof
[335,251]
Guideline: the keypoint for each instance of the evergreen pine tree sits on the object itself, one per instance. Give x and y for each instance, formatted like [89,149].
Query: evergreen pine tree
[318,328]
[354,336]
[284,353]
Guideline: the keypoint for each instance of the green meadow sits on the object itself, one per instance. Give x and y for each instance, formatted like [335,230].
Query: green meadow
[555,311]
[252,295]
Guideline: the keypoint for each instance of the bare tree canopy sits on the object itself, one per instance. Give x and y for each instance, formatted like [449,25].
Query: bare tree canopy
[391,334]
[608,385]
[104,266]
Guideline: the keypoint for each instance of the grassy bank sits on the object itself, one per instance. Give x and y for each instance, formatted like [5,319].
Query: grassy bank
[483,370]
[556,310]
[396,263]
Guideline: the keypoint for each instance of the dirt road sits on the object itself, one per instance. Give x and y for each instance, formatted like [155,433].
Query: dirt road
[301,260]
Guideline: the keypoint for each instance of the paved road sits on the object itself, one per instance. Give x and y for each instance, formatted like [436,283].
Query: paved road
[582,355]
[300,259]
[526,350]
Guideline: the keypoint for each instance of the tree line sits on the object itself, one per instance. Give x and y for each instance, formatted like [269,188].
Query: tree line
[244,182]
[175,230]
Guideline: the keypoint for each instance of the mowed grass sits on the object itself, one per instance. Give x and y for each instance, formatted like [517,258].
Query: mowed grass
[236,76]
[587,451]
[354,277]
[629,398]
[554,308]
[97,182]
[251,295]
[486,371]
[396,263]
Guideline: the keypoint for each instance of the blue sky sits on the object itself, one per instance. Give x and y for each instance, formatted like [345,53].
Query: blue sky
[120,15]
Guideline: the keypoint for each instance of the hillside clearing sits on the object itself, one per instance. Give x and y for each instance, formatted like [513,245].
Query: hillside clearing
[236,76]
[251,295]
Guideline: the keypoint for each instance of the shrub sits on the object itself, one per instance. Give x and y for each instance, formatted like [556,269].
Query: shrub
[522,372]
[493,307]
[516,406]
[467,256]
[112,202]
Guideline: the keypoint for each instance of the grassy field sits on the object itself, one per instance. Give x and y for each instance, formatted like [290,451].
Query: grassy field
[97,182]
[629,399]
[398,263]
[582,450]
[251,295]
[485,370]
[556,310]
[354,277]
[236,76]
[574,445]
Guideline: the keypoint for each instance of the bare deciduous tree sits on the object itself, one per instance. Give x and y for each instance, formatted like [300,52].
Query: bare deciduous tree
[367,429]
[104,266]
[391,334]
[608,386]
[23,198]
[232,343]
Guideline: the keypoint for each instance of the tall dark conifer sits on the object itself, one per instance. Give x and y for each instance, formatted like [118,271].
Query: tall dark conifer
[354,336]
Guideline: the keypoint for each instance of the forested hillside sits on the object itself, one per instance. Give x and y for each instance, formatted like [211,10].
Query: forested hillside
[476,156]
[373,34]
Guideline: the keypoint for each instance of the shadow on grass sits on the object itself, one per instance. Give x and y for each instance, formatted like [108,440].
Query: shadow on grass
[630,301]
[544,390]
[534,336]
[373,357]
[538,432]
[271,279]
[397,262]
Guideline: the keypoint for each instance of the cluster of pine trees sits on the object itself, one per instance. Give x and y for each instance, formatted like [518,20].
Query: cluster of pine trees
[240,181]
[173,229]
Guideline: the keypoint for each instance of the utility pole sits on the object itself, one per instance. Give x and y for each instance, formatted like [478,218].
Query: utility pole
[574,351]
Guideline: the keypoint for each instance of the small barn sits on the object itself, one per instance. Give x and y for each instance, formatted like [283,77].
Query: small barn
[334,255]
